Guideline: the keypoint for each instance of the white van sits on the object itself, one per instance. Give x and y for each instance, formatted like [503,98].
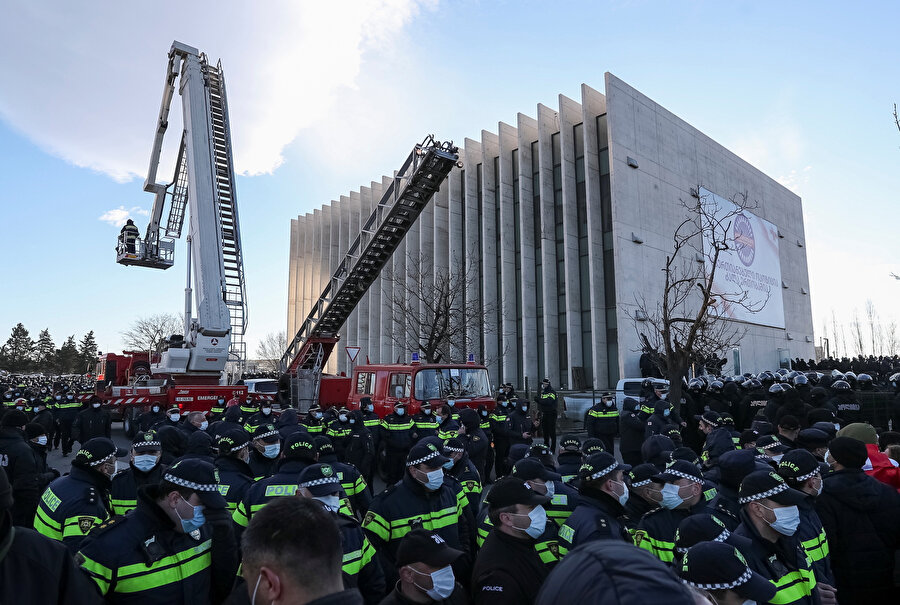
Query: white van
[631,387]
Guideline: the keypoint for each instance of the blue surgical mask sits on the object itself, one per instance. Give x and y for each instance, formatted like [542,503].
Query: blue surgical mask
[448,465]
[332,503]
[538,517]
[671,499]
[451,402]
[194,524]
[272,450]
[433,479]
[442,581]
[400,411]
[145,462]
[666,412]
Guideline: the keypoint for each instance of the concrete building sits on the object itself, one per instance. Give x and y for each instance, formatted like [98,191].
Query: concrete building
[569,214]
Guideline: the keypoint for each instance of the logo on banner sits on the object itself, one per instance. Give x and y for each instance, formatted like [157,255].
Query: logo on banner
[744,241]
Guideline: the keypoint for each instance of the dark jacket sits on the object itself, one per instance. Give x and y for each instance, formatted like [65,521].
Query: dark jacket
[632,423]
[45,419]
[147,543]
[34,569]
[235,477]
[396,598]
[72,505]
[508,571]
[149,419]
[595,518]
[568,464]
[124,490]
[602,419]
[518,423]
[20,464]
[360,450]
[861,517]
[92,423]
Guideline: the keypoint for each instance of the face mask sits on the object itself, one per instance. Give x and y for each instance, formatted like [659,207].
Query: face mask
[342,417]
[837,426]
[524,409]
[266,411]
[174,417]
[433,479]
[272,450]
[440,419]
[449,464]
[787,520]
[427,412]
[332,503]
[451,403]
[667,412]
[317,415]
[670,497]
[623,497]
[194,524]
[22,409]
[145,462]
[256,588]
[204,425]
[221,402]
[608,404]
[551,489]
[442,581]
[484,413]
[42,440]
[538,524]
[70,397]
[36,410]
[369,408]
[777,457]
[58,397]
[818,490]
[155,409]
[400,411]
[504,405]
[353,421]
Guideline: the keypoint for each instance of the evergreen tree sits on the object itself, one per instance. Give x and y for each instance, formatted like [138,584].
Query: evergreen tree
[19,350]
[44,350]
[67,359]
[87,351]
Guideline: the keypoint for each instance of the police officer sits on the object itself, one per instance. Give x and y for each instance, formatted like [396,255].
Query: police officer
[645,494]
[248,408]
[173,419]
[602,421]
[68,411]
[354,485]
[549,408]
[151,418]
[397,436]
[424,564]
[264,450]
[602,497]
[72,505]
[563,498]
[144,468]
[520,427]
[508,569]
[43,416]
[361,450]
[176,547]
[421,499]
[632,425]
[722,570]
[235,476]
[461,467]
[263,416]
[217,411]
[92,421]
[20,464]
[681,496]
[312,422]
[500,434]
[569,459]
[299,452]
[474,440]
[484,417]
[360,565]
[425,422]
[661,419]
[338,430]
[775,553]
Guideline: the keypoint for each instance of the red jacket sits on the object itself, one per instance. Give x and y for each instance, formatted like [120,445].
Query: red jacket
[882,467]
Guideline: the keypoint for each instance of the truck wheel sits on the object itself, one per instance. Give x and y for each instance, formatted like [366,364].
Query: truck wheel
[128,423]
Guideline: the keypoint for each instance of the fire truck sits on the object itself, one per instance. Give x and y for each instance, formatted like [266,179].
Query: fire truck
[188,369]
[412,188]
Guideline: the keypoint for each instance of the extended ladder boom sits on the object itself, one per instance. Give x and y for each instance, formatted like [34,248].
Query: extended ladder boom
[414,185]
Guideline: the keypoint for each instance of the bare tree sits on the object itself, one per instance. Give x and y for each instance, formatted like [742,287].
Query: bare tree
[430,314]
[873,323]
[146,333]
[856,332]
[890,338]
[686,324]
[270,349]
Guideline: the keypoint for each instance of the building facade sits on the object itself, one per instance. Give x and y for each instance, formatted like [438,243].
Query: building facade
[567,217]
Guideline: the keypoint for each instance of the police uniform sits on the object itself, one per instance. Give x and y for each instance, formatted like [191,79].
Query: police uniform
[396,435]
[357,497]
[262,466]
[339,433]
[74,504]
[602,422]
[143,558]
[125,484]
[465,472]
[235,476]
[500,436]
[426,425]
[259,419]
[597,514]
[547,403]
[408,505]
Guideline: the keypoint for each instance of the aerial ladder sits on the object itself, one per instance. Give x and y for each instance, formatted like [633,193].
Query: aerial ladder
[203,183]
[411,189]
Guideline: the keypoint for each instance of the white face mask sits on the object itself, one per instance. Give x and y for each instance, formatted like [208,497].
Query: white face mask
[95,405]
[155,409]
[442,581]
[42,440]
[623,497]
[777,457]
[433,479]
[342,417]
[266,411]
[551,489]
[332,503]
[174,417]
[538,517]
[203,425]
[145,462]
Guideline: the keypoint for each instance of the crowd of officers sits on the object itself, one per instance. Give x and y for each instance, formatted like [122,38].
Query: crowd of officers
[747,493]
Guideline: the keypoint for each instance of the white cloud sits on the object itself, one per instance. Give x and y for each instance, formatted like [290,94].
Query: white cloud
[118,216]
[88,76]
[795,179]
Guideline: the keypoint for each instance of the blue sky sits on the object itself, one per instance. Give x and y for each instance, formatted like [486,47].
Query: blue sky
[324,99]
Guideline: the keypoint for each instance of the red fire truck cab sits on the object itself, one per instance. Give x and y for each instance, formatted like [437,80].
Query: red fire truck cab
[415,383]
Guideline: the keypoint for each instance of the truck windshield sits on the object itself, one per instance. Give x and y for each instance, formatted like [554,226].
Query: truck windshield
[459,382]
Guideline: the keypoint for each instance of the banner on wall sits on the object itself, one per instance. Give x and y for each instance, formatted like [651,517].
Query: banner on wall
[750,265]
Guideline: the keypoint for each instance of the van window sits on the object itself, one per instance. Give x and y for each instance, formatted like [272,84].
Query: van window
[632,388]
[460,382]
[365,383]
[400,385]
